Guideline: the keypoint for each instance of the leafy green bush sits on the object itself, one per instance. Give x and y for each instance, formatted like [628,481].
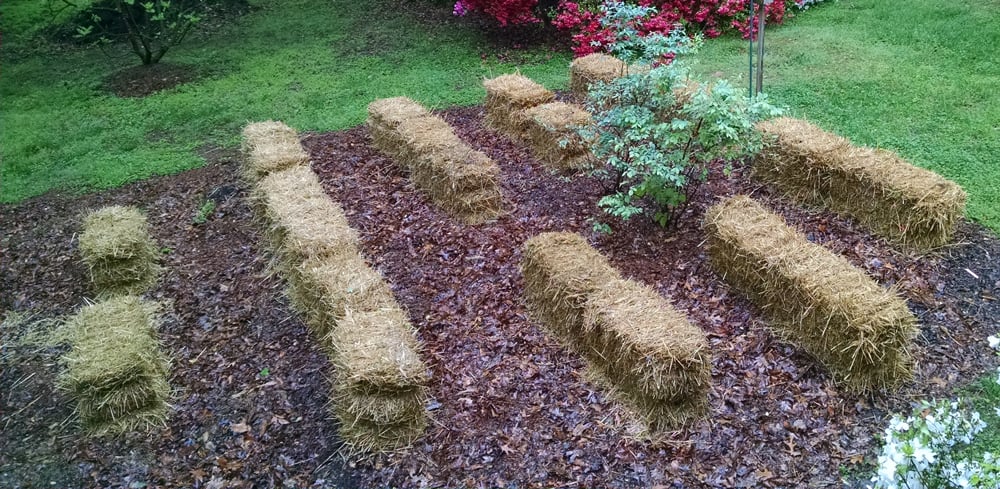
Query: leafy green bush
[150,27]
[659,131]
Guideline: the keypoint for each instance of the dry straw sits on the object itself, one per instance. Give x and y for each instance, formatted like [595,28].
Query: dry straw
[379,385]
[302,220]
[554,135]
[655,361]
[118,251]
[462,181]
[507,97]
[860,331]
[379,381]
[384,119]
[654,355]
[594,68]
[325,288]
[269,147]
[910,205]
[116,370]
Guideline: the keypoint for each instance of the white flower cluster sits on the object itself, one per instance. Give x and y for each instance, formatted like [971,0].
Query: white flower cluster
[924,450]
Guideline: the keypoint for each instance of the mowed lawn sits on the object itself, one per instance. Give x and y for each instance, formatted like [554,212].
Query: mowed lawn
[313,64]
[921,77]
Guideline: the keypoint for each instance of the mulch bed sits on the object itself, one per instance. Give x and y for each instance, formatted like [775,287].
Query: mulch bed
[510,406]
[144,80]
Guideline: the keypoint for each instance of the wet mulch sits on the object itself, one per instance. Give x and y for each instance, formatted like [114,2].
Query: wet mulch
[510,407]
[144,80]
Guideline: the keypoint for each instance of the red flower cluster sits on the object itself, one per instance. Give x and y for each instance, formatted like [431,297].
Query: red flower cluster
[504,11]
[711,17]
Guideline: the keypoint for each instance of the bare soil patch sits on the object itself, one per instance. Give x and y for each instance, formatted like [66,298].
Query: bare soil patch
[510,406]
[144,80]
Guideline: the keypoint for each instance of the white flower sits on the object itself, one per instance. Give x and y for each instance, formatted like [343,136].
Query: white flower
[994,342]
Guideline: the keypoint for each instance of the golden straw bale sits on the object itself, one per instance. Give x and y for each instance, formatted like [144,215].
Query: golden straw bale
[637,338]
[817,300]
[118,251]
[561,270]
[423,137]
[325,288]
[402,135]
[594,68]
[115,369]
[379,408]
[507,96]
[363,435]
[554,137]
[269,147]
[303,221]
[910,205]
[377,352]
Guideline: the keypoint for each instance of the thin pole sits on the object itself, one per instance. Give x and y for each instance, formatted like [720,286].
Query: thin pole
[750,3]
[760,45]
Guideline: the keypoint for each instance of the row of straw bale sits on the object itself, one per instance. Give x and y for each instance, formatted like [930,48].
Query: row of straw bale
[814,298]
[653,359]
[910,205]
[462,181]
[115,369]
[379,385]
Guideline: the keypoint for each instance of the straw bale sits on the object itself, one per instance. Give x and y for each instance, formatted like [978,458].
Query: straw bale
[325,288]
[910,205]
[462,181]
[594,68]
[638,339]
[377,352]
[116,370]
[507,96]
[405,139]
[817,300]
[561,270]
[303,221]
[554,137]
[271,146]
[362,435]
[380,408]
[118,251]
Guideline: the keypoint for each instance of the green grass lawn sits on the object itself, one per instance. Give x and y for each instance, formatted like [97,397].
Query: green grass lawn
[313,64]
[920,77]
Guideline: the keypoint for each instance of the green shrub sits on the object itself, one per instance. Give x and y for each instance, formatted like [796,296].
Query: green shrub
[658,130]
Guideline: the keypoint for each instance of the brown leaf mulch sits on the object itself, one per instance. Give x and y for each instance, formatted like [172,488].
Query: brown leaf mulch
[511,408]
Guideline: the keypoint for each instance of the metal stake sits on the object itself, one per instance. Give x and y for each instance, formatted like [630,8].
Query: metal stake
[760,45]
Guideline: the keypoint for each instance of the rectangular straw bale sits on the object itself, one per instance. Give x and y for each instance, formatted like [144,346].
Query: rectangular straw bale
[561,271]
[115,369]
[271,146]
[118,251]
[594,68]
[325,288]
[649,349]
[303,221]
[891,197]
[378,408]
[377,351]
[817,300]
[554,137]
[507,96]
[462,181]
[400,135]
[363,435]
